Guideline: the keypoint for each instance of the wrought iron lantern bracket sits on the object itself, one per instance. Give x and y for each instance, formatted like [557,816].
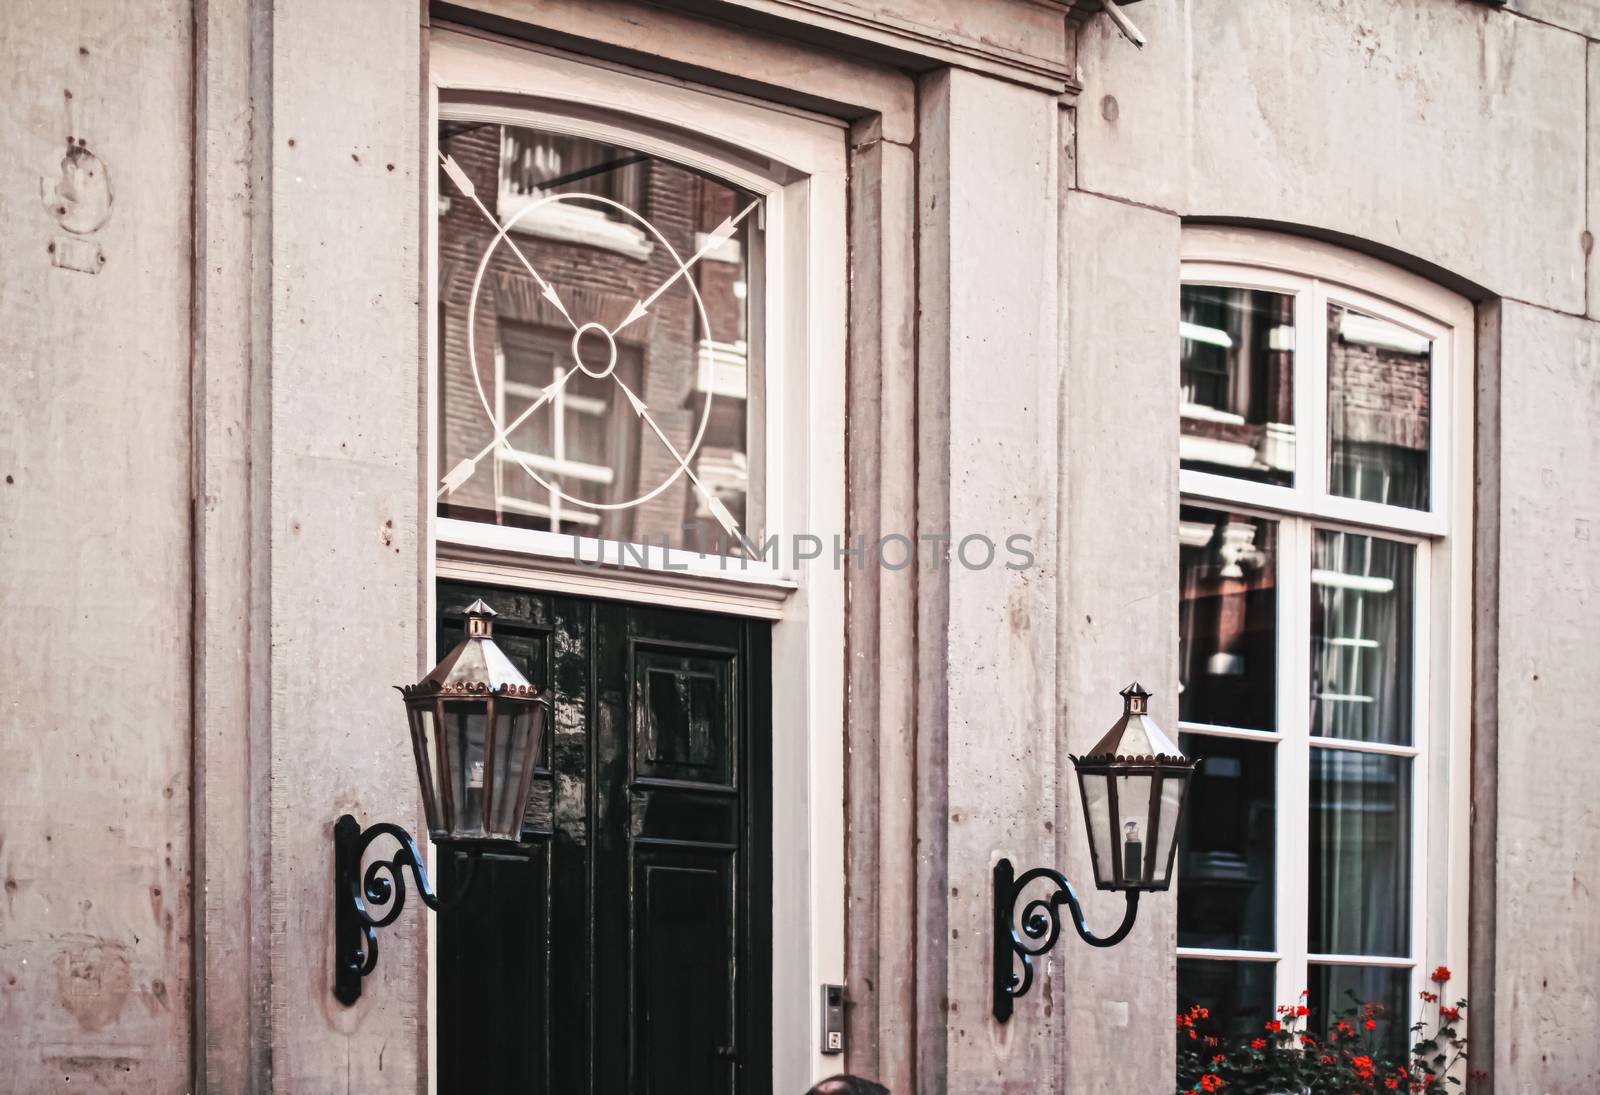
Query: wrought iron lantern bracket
[1041,927]
[382,884]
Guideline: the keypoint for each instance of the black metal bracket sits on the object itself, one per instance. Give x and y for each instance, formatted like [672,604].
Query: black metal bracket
[355,925]
[1041,925]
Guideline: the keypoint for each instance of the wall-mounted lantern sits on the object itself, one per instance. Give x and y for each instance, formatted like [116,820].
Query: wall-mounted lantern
[477,731]
[1132,783]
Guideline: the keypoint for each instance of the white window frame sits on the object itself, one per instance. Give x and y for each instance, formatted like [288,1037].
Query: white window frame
[804,208]
[1318,274]
[805,317]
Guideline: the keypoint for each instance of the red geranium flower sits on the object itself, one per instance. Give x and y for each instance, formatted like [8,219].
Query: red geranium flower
[1258,1043]
[1441,974]
[1450,1015]
[1211,1082]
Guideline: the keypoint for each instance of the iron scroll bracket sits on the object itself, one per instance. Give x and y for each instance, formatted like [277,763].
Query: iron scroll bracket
[355,893]
[1041,927]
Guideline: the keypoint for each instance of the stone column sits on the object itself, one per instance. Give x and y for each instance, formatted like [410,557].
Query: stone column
[346,516]
[1119,604]
[987,439]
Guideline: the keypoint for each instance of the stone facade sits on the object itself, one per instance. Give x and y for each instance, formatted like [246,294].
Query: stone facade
[216,520]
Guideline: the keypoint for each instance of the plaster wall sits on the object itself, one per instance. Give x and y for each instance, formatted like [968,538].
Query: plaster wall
[1450,131]
[284,380]
[1454,138]
[988,434]
[1545,593]
[346,518]
[1118,606]
[95,921]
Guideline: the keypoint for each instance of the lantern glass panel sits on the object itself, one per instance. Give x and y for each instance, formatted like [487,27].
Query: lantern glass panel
[425,743]
[1133,826]
[1096,787]
[1172,787]
[464,733]
[513,748]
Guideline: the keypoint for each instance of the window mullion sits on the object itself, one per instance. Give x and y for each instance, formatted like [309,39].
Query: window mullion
[1294,756]
[1311,393]
[1421,769]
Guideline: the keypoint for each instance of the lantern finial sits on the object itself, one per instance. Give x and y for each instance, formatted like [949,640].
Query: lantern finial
[1135,700]
[480,620]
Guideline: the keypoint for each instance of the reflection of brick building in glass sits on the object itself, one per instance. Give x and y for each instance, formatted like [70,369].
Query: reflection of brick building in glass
[600,262]
[1378,410]
[1238,382]
[1238,395]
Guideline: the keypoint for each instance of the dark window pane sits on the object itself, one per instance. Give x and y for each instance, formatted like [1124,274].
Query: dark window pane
[1236,366]
[1378,410]
[1238,994]
[1360,853]
[1338,990]
[1227,619]
[1225,875]
[1362,602]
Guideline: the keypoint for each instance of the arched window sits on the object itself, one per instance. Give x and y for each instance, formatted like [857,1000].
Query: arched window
[1324,628]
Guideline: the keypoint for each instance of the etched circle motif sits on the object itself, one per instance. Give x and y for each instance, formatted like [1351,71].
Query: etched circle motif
[593,351]
[610,345]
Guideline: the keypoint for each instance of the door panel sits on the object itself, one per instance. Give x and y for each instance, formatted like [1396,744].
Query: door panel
[621,952]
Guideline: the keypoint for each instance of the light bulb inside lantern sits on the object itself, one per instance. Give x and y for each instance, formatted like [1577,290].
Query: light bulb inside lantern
[1132,851]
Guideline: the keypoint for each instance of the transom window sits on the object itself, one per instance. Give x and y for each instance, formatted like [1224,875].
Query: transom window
[1315,544]
[598,374]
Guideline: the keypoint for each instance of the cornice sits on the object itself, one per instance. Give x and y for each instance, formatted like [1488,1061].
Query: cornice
[915,43]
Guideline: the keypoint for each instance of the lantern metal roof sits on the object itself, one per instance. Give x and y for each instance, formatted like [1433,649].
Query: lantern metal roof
[476,665]
[1135,737]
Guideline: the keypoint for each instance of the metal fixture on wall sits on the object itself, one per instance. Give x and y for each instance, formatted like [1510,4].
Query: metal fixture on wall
[477,732]
[1133,784]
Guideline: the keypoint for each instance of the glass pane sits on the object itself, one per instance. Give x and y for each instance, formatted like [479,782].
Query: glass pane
[1096,790]
[1236,366]
[1378,410]
[1226,868]
[1360,853]
[424,746]
[1336,991]
[1172,792]
[513,746]
[1133,826]
[1362,604]
[599,374]
[1227,619]
[464,743]
[1237,994]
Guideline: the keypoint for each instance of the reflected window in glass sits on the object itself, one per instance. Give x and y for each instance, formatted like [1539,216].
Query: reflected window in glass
[1236,370]
[1379,410]
[1227,619]
[600,366]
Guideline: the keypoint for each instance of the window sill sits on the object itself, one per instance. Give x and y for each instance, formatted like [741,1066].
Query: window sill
[565,222]
[530,559]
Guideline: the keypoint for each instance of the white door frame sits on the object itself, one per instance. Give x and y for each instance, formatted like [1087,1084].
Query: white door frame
[807,324]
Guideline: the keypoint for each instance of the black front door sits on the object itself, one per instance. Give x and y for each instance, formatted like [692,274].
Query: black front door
[629,950]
